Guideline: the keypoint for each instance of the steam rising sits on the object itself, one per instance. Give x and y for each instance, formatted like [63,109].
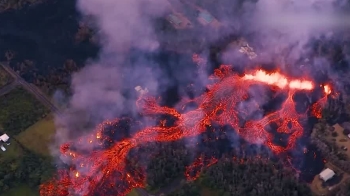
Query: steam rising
[284,28]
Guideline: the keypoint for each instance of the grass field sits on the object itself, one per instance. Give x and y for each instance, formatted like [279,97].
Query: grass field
[38,136]
[13,151]
[19,110]
[133,192]
[22,117]
[22,190]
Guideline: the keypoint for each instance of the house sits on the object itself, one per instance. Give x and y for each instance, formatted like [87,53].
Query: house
[327,174]
[174,19]
[205,18]
[178,20]
[4,138]
[3,148]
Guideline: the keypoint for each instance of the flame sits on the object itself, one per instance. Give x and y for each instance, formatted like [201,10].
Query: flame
[193,171]
[279,80]
[327,89]
[316,108]
[106,170]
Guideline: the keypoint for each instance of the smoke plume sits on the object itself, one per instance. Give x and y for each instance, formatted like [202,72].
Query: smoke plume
[100,89]
[280,32]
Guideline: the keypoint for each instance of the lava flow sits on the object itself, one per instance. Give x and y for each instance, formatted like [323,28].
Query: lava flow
[104,171]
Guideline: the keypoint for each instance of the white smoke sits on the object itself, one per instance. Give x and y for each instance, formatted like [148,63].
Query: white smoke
[281,30]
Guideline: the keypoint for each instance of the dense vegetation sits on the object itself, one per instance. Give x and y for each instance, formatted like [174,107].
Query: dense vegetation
[60,48]
[235,177]
[256,177]
[19,110]
[45,54]
[16,4]
[344,190]
[168,164]
[29,169]
[190,188]
[229,176]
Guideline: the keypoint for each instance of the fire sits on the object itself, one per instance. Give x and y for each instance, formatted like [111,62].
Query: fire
[316,109]
[279,80]
[327,89]
[98,135]
[193,171]
[106,169]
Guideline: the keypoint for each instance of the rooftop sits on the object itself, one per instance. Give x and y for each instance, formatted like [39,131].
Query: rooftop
[206,16]
[327,174]
[4,138]
[174,19]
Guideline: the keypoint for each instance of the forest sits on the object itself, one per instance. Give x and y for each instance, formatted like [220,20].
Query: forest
[235,173]
[167,165]
[46,54]
[16,4]
[26,168]
[19,110]
[235,177]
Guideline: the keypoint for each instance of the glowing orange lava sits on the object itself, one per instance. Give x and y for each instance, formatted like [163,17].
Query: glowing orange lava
[193,171]
[103,172]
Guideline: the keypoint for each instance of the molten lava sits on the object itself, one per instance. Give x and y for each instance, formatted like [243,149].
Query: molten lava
[193,171]
[104,172]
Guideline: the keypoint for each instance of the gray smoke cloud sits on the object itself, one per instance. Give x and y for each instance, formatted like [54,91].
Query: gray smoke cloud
[280,33]
[125,24]
[282,29]
[98,89]
[105,87]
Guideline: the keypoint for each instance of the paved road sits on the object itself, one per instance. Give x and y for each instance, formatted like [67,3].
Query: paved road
[30,88]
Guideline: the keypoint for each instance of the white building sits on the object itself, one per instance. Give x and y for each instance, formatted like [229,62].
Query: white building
[4,138]
[3,148]
[327,174]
